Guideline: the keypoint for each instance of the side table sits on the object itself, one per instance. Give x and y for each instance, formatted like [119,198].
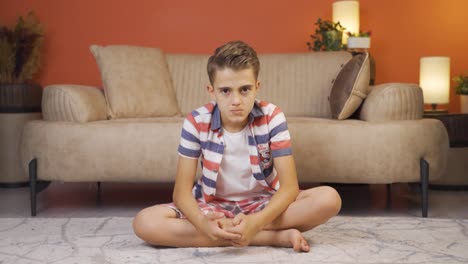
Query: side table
[11,130]
[19,103]
[455,176]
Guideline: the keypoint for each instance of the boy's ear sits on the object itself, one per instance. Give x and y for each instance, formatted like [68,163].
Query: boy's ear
[258,85]
[210,91]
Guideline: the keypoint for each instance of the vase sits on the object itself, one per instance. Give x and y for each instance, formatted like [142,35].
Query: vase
[20,98]
[358,42]
[464,103]
[332,40]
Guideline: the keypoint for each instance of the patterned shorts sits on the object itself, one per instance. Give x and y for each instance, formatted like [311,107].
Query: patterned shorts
[229,208]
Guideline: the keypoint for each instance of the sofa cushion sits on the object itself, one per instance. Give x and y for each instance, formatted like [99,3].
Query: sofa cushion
[393,101]
[73,103]
[356,151]
[190,79]
[136,81]
[118,150]
[299,83]
[350,87]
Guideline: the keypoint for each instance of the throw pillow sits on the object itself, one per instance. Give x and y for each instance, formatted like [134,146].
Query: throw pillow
[136,81]
[350,87]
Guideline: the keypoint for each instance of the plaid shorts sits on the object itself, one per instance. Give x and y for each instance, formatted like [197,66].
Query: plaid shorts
[229,208]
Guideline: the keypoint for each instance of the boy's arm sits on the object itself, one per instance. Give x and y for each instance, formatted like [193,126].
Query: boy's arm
[182,195]
[287,193]
[186,203]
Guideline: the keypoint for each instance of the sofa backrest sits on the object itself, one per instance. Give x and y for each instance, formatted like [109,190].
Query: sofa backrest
[189,79]
[299,83]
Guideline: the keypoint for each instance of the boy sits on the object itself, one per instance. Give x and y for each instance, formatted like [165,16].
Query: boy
[248,193]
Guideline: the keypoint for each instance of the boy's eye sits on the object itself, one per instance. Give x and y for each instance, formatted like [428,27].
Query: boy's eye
[245,89]
[225,91]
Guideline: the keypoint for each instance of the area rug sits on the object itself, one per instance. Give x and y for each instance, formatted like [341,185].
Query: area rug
[343,239]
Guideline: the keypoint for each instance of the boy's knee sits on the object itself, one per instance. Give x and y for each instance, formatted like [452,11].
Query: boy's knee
[334,200]
[330,201]
[146,223]
[140,224]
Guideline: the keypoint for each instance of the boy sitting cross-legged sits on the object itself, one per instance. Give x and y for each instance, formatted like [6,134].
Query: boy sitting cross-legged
[248,193]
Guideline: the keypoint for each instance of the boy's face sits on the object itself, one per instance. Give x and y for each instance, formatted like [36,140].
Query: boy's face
[235,93]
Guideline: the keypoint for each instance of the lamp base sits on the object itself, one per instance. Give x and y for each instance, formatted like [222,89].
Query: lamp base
[434,110]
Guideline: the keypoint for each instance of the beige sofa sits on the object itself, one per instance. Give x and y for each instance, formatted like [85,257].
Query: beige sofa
[386,142]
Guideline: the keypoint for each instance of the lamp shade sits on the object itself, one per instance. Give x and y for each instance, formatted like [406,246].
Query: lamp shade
[434,79]
[347,13]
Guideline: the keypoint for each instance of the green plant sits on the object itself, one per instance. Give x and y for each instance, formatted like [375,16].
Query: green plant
[327,36]
[360,34]
[20,48]
[462,84]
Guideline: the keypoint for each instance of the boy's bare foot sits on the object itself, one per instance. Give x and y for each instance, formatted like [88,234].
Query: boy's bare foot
[281,238]
[292,238]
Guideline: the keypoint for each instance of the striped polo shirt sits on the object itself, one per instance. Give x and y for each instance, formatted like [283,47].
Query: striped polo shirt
[202,136]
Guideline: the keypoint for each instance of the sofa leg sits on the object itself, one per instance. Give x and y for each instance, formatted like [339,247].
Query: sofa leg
[33,184]
[424,186]
[98,194]
[389,196]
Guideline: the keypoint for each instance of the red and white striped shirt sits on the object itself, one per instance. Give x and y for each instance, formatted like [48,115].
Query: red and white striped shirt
[202,136]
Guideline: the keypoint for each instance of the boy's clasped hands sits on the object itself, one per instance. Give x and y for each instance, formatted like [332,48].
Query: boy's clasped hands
[239,231]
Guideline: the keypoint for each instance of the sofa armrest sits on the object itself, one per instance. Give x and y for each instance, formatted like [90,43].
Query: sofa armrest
[393,101]
[75,103]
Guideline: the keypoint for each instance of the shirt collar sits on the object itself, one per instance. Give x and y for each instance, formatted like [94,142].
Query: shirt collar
[216,119]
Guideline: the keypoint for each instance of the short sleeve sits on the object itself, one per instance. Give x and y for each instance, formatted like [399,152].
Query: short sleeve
[190,139]
[280,139]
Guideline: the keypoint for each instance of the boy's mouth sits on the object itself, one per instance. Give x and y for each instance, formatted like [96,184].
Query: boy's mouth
[236,111]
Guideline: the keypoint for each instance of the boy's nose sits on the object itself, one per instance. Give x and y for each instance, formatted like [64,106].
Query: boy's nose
[236,99]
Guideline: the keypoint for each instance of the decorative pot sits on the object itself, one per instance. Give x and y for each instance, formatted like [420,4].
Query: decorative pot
[20,98]
[332,40]
[464,103]
[358,42]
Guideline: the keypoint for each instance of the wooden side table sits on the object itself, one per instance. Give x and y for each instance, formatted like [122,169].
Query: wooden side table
[19,103]
[11,130]
[455,176]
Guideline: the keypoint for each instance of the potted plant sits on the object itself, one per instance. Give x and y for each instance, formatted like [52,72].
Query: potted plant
[359,40]
[461,89]
[20,52]
[328,36]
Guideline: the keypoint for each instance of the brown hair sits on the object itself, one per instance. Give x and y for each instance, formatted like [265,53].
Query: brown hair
[236,55]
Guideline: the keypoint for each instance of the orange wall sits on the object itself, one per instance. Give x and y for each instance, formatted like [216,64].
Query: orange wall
[403,31]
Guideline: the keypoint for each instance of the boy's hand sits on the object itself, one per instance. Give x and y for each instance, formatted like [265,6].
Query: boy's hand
[247,227]
[212,227]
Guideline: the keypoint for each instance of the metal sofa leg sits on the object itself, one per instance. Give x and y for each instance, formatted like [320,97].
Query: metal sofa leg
[98,194]
[35,186]
[389,196]
[424,165]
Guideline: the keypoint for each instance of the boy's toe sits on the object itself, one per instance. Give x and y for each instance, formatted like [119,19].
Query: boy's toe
[305,246]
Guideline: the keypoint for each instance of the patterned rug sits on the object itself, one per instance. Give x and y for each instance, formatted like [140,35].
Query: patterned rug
[342,240]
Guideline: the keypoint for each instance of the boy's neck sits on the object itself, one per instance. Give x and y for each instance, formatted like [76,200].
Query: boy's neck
[237,128]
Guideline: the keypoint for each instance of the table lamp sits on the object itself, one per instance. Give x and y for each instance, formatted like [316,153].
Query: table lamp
[347,13]
[434,79]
